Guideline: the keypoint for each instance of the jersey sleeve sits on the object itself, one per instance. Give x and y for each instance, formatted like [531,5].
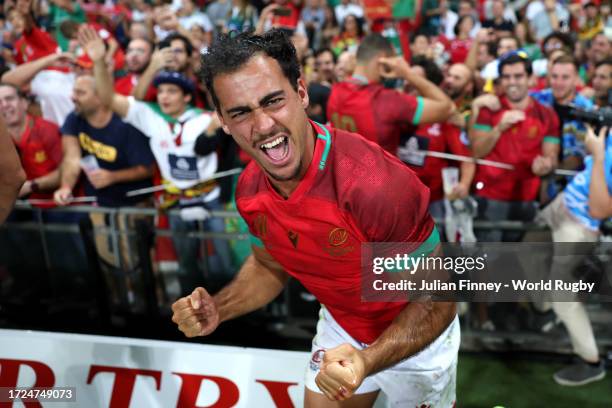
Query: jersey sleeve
[404,108]
[552,133]
[484,120]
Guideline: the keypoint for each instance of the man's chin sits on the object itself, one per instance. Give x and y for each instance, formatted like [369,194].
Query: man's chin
[287,176]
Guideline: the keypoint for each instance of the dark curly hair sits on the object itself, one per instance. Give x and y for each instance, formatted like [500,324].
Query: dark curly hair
[229,52]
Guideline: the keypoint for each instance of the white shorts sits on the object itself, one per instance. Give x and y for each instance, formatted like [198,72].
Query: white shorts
[426,379]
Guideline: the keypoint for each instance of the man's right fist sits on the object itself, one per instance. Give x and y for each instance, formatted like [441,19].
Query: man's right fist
[63,196]
[196,314]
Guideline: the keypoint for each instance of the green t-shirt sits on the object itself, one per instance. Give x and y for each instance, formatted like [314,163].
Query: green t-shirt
[59,15]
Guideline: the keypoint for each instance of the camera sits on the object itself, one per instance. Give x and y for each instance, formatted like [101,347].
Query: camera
[597,118]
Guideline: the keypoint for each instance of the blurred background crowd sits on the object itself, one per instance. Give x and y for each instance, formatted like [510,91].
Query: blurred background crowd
[509,67]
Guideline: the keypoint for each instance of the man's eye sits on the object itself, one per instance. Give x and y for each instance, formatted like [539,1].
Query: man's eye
[274,101]
[238,115]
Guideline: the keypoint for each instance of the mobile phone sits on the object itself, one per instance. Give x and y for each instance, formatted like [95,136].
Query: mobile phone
[282,11]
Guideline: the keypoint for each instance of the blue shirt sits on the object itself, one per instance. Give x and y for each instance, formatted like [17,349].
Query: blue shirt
[573,132]
[576,194]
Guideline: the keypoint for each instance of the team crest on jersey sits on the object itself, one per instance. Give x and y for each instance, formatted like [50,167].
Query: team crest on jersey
[533,132]
[337,242]
[315,360]
[40,156]
[260,225]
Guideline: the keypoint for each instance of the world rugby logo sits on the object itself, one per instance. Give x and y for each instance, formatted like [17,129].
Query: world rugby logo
[337,237]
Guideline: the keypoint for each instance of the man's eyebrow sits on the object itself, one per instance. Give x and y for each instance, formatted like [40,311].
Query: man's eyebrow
[262,101]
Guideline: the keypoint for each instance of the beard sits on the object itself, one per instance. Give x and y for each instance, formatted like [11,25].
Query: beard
[294,175]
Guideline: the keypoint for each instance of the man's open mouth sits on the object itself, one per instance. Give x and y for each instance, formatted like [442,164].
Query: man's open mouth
[277,149]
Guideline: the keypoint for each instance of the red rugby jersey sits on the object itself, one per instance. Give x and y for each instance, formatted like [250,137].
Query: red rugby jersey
[353,192]
[518,146]
[40,150]
[375,112]
[435,137]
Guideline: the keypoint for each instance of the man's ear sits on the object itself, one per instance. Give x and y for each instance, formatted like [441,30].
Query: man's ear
[303,92]
[222,120]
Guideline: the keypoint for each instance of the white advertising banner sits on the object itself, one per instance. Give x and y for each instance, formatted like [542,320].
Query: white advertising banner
[121,372]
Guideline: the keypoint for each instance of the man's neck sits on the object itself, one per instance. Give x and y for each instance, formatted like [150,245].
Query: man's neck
[100,118]
[521,105]
[567,99]
[286,188]
[16,130]
[362,72]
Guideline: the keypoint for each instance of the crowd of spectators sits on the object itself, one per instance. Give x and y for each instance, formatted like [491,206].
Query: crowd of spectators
[508,67]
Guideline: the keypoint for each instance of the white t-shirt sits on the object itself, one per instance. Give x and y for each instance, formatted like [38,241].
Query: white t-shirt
[178,164]
[342,11]
[54,92]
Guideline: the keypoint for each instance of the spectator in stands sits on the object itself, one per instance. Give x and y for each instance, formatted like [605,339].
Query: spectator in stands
[173,127]
[12,175]
[189,16]
[526,41]
[574,218]
[117,156]
[330,28]
[498,22]
[563,91]
[599,49]
[172,54]
[50,80]
[137,58]
[281,14]
[320,89]
[65,10]
[466,8]
[556,41]
[593,22]
[448,20]
[313,17]
[243,16]
[436,137]
[347,8]
[504,45]
[351,33]
[518,131]
[602,83]
[420,46]
[218,11]
[345,66]
[462,42]
[431,11]
[553,17]
[38,143]
[362,104]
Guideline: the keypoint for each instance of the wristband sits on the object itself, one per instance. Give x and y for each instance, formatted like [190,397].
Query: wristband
[34,187]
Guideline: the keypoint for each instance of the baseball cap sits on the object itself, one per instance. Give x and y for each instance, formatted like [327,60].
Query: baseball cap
[176,78]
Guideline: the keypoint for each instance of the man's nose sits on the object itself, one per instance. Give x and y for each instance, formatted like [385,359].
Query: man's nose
[263,122]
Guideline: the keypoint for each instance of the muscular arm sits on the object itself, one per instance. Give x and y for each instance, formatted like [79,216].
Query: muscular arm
[600,201]
[94,46]
[21,75]
[12,175]
[418,325]
[258,282]
[437,106]
[482,141]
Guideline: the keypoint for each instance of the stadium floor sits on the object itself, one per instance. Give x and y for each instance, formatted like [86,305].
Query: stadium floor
[491,380]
